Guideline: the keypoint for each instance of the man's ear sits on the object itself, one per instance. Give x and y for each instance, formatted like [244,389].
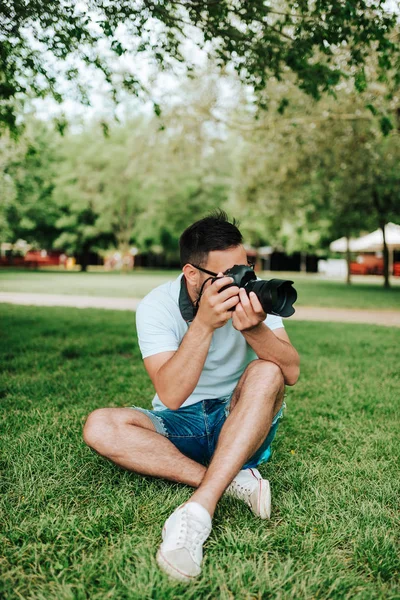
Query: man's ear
[191,274]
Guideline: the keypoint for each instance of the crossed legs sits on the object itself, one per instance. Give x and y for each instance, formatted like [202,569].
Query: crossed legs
[128,437]
[256,400]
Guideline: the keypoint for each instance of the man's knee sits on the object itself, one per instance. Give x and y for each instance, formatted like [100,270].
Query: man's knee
[265,372]
[99,429]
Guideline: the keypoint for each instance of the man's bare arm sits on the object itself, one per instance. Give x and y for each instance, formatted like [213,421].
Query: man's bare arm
[275,346]
[269,345]
[175,375]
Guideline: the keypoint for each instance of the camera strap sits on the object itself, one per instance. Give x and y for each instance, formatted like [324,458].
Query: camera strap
[196,304]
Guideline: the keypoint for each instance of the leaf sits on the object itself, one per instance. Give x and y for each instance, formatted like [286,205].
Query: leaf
[386,125]
[284,103]
[61,124]
[360,80]
[372,108]
[106,128]
[118,47]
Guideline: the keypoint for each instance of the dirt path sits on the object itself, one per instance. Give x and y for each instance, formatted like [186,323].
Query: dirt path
[388,318]
[69,300]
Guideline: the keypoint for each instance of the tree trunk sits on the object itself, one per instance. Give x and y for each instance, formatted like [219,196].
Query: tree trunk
[84,259]
[386,283]
[303,262]
[348,260]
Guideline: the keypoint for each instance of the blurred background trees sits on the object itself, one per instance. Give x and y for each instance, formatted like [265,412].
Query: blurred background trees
[288,117]
[317,43]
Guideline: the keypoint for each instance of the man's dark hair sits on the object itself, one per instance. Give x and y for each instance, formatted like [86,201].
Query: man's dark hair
[213,232]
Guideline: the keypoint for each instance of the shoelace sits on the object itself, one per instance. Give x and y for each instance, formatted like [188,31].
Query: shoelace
[192,531]
[242,492]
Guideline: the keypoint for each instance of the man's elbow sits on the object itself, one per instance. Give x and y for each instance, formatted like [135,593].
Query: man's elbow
[292,374]
[292,377]
[173,403]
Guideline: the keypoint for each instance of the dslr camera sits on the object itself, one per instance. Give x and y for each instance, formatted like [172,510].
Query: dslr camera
[276,296]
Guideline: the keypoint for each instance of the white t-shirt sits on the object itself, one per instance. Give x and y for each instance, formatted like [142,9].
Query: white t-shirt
[162,319]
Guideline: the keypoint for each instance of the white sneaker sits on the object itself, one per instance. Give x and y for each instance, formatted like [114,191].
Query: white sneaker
[249,486]
[184,534]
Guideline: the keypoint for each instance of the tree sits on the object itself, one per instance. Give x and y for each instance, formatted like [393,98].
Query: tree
[28,173]
[277,192]
[191,166]
[259,39]
[383,189]
[79,234]
[320,170]
[101,188]
[10,153]
[359,166]
[356,166]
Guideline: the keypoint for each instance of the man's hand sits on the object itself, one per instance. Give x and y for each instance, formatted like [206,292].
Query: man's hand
[248,312]
[214,305]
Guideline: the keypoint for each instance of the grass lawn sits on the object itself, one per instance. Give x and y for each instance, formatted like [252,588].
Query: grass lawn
[74,526]
[312,290]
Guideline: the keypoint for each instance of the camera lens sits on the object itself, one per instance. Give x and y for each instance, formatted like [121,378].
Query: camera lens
[276,296]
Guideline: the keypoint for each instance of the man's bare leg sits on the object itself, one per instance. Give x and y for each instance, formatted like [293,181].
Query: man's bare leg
[128,438]
[256,400]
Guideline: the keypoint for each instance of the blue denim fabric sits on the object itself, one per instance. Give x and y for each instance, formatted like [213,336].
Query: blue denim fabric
[194,429]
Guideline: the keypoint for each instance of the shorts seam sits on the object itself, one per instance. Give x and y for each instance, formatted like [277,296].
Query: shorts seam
[279,414]
[155,419]
[192,437]
[209,444]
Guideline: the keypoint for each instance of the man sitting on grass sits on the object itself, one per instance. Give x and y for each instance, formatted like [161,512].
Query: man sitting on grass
[219,377]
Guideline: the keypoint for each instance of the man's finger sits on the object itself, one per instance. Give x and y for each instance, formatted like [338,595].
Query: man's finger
[221,282]
[228,293]
[245,302]
[244,299]
[256,303]
[232,301]
[240,315]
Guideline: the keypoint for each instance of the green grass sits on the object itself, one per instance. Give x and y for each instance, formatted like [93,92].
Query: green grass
[312,290]
[115,285]
[74,526]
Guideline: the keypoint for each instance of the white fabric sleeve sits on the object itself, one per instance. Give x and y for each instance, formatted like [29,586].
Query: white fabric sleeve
[155,329]
[274,322]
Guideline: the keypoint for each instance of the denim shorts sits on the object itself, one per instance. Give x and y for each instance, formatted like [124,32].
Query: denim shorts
[194,429]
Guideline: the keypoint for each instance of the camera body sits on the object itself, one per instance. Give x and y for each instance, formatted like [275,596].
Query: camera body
[276,296]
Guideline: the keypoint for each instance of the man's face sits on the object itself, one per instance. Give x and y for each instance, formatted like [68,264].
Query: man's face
[222,260]
[219,261]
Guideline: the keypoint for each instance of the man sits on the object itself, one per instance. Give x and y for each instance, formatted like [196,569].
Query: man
[219,376]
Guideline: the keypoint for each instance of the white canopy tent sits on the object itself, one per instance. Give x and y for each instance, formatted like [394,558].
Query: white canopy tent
[340,245]
[372,242]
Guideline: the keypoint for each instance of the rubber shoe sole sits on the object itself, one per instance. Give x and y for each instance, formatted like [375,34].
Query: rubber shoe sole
[264,500]
[171,570]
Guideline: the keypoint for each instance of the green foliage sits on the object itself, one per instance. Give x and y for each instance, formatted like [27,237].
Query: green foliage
[143,184]
[138,184]
[103,183]
[386,125]
[296,177]
[28,173]
[320,171]
[259,39]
